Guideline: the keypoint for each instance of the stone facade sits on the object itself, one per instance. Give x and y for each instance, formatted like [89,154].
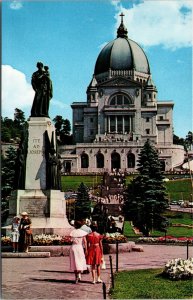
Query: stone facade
[121,112]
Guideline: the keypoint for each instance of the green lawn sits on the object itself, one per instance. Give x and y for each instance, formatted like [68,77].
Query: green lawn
[148,284]
[72,182]
[181,218]
[177,189]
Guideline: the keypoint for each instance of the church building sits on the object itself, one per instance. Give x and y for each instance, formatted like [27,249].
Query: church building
[121,112]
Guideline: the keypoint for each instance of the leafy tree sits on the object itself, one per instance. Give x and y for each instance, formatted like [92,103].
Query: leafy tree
[5,134]
[189,140]
[63,129]
[19,118]
[178,141]
[82,203]
[66,127]
[11,130]
[58,120]
[145,198]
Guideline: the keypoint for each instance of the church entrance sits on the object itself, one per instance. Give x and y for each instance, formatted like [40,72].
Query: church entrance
[115,161]
[67,167]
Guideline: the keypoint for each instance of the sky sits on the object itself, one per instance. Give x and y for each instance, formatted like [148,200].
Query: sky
[68,37]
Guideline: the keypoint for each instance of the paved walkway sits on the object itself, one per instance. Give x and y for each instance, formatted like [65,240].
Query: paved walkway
[49,278]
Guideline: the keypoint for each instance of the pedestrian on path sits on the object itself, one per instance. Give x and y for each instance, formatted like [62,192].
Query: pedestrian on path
[95,252]
[77,256]
[86,228]
[15,233]
[25,232]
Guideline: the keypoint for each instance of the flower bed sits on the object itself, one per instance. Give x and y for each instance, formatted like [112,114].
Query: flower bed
[166,239]
[112,238]
[41,240]
[6,241]
[178,268]
[47,240]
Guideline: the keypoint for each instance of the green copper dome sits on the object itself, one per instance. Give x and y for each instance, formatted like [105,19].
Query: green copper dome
[122,54]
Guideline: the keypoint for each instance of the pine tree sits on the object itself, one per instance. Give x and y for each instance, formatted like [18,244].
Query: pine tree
[8,172]
[146,197]
[82,203]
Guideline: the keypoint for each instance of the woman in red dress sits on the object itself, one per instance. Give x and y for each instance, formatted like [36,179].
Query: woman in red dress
[94,252]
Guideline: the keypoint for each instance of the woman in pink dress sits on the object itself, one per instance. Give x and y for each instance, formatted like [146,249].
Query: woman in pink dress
[77,256]
[95,252]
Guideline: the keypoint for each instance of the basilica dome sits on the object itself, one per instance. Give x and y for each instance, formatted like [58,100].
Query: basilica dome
[122,54]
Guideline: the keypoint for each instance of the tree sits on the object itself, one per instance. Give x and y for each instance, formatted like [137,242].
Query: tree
[12,129]
[82,203]
[146,198]
[63,129]
[58,120]
[8,172]
[189,140]
[66,127]
[178,141]
[19,118]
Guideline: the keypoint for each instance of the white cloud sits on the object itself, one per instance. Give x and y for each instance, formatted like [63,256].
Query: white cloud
[16,5]
[16,91]
[166,23]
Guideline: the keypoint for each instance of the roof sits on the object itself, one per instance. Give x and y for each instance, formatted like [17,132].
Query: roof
[122,54]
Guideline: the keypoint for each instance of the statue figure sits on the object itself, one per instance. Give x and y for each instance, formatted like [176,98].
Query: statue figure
[20,174]
[53,170]
[42,86]
[20,167]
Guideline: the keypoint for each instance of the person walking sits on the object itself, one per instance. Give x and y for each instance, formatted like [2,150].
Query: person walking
[15,233]
[86,228]
[94,252]
[77,256]
[25,237]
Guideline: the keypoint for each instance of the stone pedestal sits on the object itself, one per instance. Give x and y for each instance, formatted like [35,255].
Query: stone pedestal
[46,208]
[36,162]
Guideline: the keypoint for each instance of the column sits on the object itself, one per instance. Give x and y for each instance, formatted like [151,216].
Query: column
[116,124]
[105,124]
[109,124]
[123,124]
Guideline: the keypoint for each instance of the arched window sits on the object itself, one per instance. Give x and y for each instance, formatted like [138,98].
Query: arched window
[100,160]
[120,99]
[115,161]
[130,160]
[163,165]
[84,161]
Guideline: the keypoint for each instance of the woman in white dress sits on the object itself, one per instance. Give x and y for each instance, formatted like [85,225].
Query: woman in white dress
[77,256]
[15,233]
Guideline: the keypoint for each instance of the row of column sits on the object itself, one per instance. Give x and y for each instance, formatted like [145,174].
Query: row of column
[126,122]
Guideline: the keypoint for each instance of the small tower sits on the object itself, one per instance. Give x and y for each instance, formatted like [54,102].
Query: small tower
[92,91]
[150,93]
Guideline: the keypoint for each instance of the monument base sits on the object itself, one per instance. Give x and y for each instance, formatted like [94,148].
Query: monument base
[46,209]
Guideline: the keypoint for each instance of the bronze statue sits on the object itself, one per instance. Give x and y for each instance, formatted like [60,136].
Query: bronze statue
[53,169]
[42,86]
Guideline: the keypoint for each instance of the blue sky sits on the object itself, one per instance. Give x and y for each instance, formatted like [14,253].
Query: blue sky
[68,36]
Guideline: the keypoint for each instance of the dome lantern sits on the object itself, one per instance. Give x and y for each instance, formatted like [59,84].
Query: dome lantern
[122,30]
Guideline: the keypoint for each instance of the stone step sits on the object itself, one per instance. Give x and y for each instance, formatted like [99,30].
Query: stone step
[25,255]
[137,248]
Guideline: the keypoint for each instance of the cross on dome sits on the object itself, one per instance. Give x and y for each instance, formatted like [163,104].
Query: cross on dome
[121,15]
[122,30]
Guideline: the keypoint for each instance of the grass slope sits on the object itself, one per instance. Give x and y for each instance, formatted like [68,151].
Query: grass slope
[148,284]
